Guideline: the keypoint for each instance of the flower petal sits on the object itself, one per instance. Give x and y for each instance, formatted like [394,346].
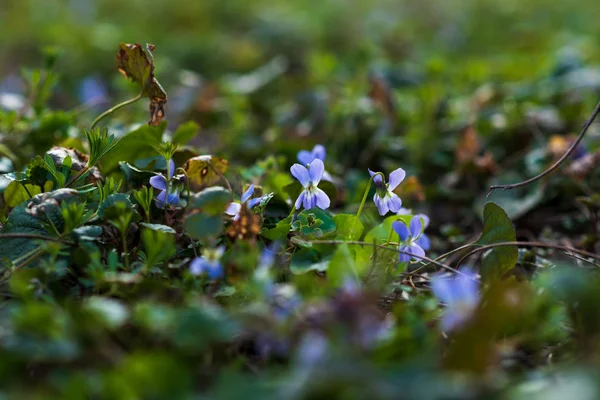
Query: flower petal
[319,152]
[425,219]
[416,227]
[233,209]
[215,271]
[301,173]
[158,182]
[424,242]
[401,229]
[322,199]
[327,177]
[315,170]
[171,169]
[394,202]
[417,251]
[467,287]
[382,204]
[377,179]
[454,318]
[253,202]
[404,211]
[309,200]
[162,197]
[173,198]
[443,289]
[247,194]
[198,265]
[403,257]
[396,177]
[300,200]
[305,157]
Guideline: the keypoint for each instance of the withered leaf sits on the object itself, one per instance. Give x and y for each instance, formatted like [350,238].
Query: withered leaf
[137,63]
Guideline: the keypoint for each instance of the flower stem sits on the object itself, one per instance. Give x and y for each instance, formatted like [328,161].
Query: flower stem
[115,108]
[364,200]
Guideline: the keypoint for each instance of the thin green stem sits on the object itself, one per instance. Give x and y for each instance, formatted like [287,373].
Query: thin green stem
[115,108]
[79,174]
[364,200]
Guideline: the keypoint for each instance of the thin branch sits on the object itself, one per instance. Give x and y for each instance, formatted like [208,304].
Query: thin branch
[528,244]
[32,236]
[557,164]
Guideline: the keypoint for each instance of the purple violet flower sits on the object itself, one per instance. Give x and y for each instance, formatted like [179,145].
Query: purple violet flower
[318,152]
[160,182]
[423,240]
[311,196]
[209,263]
[234,208]
[385,199]
[409,238]
[461,296]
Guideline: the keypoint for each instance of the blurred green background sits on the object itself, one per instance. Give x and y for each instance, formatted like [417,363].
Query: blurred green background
[509,38]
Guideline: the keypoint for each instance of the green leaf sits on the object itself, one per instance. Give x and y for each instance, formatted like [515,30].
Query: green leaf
[107,210]
[135,145]
[497,228]
[201,226]
[212,200]
[19,221]
[158,227]
[16,193]
[88,233]
[185,132]
[280,231]
[345,227]
[342,266]
[159,243]
[307,260]
[381,232]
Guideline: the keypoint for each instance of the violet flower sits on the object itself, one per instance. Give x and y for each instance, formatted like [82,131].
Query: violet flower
[423,240]
[306,157]
[209,263]
[311,196]
[409,238]
[385,199]
[160,182]
[461,296]
[234,208]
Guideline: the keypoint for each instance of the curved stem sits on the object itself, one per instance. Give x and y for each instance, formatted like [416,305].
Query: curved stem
[115,108]
[364,200]
[527,244]
[557,164]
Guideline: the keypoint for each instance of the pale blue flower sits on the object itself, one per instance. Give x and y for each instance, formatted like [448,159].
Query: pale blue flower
[318,153]
[385,199]
[423,240]
[409,245]
[460,295]
[311,196]
[209,263]
[234,208]
[160,182]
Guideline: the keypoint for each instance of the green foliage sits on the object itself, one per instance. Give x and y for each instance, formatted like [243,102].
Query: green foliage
[497,228]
